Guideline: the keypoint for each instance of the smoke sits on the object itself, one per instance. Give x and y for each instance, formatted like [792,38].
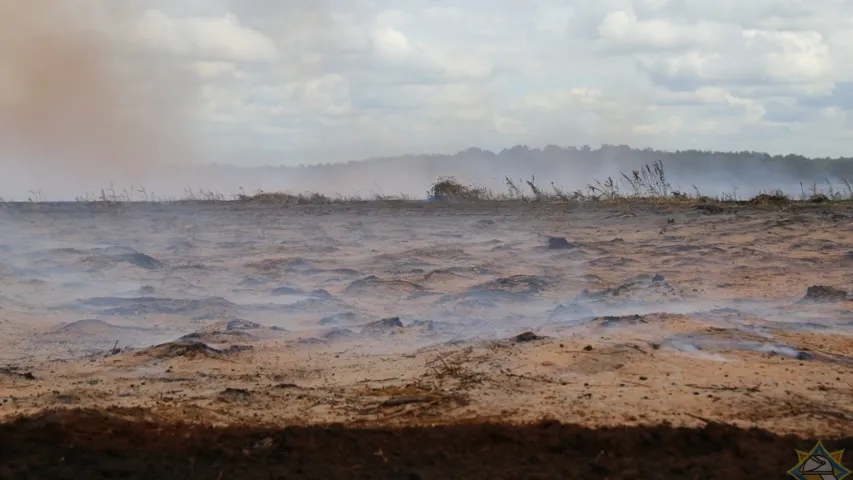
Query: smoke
[81,103]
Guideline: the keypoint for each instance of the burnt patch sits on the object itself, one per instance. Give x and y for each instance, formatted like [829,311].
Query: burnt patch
[384,326]
[88,444]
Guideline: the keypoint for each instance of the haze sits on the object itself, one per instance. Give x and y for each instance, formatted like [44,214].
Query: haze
[146,93]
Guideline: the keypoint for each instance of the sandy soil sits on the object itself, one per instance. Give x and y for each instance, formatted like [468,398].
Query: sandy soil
[426,314]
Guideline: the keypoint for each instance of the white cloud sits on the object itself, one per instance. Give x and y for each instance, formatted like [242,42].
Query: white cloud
[391,42]
[217,38]
[622,30]
[342,80]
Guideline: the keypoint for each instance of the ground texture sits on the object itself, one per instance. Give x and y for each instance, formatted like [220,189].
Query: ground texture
[92,445]
[223,340]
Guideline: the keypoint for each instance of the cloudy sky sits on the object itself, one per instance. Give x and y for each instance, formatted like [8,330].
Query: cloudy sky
[289,81]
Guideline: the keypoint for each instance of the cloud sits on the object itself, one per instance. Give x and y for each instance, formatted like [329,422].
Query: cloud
[622,31]
[216,38]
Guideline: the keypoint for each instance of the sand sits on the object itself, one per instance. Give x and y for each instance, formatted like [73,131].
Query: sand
[417,314]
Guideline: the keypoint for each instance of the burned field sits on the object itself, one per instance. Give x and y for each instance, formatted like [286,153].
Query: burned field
[408,340]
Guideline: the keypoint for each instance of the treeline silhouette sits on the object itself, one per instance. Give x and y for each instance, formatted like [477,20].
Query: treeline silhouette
[679,162]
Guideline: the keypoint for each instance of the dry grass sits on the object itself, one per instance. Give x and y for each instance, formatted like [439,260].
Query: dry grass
[649,184]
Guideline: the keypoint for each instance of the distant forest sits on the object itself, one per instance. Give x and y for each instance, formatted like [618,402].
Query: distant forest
[712,172]
[690,162]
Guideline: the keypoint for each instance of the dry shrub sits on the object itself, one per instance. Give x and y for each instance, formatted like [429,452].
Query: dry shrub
[284,198]
[448,188]
[771,198]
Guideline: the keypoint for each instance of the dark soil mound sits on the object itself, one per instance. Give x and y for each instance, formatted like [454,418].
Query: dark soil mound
[91,445]
[141,260]
[527,337]
[210,306]
[386,325]
[823,294]
[560,243]
[190,348]
[516,284]
[375,284]
[12,372]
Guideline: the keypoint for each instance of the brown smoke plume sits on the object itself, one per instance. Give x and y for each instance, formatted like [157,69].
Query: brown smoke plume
[80,101]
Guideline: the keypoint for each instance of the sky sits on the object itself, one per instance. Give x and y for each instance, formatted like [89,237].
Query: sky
[305,81]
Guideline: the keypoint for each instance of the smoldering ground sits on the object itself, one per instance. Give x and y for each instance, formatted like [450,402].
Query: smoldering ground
[176,269]
[425,313]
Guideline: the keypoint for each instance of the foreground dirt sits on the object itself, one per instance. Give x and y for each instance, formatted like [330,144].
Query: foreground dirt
[659,331]
[75,445]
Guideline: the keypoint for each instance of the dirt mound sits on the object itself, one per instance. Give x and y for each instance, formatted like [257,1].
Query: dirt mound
[16,374]
[374,284]
[217,336]
[560,243]
[339,318]
[92,327]
[208,307]
[191,350]
[283,291]
[527,337]
[106,258]
[386,325]
[96,336]
[570,312]
[231,331]
[620,320]
[336,334]
[823,294]
[641,287]
[441,275]
[95,445]
[514,285]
